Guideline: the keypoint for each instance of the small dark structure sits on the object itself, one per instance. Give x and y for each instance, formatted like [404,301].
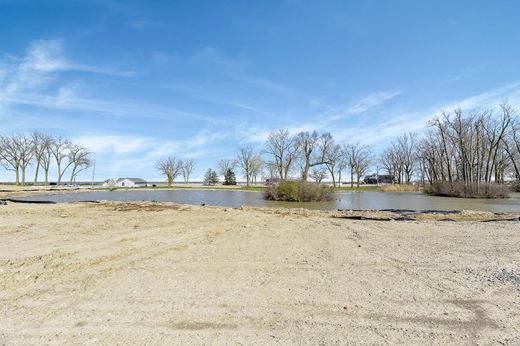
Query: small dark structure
[379,179]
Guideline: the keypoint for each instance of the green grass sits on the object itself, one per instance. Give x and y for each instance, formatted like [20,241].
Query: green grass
[175,187]
[360,188]
[251,188]
[222,187]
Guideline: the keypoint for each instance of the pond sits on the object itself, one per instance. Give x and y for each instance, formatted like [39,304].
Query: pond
[344,200]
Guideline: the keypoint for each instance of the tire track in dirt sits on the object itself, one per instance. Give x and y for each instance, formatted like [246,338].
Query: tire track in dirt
[402,266]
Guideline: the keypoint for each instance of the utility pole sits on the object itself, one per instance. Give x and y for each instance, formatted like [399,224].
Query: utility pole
[93,173]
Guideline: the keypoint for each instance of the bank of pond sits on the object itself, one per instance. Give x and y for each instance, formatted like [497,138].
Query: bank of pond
[362,200]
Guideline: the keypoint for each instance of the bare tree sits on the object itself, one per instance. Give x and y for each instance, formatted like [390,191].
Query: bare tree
[282,147]
[390,163]
[407,150]
[25,149]
[10,156]
[245,160]
[271,170]
[342,164]
[313,150]
[363,162]
[512,148]
[470,150]
[257,166]
[318,174]
[41,145]
[188,165]
[400,160]
[16,153]
[334,162]
[359,159]
[46,158]
[169,167]
[59,150]
[80,158]
[225,164]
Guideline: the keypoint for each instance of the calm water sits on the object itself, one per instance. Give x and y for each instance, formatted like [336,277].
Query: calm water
[344,200]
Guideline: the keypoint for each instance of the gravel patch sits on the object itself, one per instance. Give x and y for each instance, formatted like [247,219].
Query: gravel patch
[506,276]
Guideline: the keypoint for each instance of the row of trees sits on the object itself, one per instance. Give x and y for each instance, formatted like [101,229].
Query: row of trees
[308,155]
[316,156]
[473,149]
[43,151]
[173,167]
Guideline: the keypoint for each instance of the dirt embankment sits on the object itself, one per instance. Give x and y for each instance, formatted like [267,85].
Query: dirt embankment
[144,273]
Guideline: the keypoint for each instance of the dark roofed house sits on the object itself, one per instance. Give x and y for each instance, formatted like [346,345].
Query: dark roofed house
[379,179]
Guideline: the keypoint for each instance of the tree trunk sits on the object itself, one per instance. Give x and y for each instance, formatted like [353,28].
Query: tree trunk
[72,176]
[58,165]
[36,173]
[306,171]
[23,176]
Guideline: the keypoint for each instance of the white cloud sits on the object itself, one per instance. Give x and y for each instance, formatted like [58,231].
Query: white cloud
[31,81]
[372,101]
[116,144]
[382,130]
[451,80]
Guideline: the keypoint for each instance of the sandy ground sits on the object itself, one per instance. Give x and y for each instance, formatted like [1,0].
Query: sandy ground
[116,273]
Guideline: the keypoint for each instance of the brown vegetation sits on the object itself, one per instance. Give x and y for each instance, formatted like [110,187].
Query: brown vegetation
[400,188]
[465,190]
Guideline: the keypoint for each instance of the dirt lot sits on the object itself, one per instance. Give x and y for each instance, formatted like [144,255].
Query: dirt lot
[166,274]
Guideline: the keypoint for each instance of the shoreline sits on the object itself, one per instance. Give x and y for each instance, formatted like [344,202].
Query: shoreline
[371,204]
[351,214]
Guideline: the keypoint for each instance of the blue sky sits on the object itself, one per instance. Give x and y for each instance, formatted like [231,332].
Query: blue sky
[137,81]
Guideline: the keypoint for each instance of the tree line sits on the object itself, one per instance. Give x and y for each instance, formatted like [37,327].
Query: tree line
[472,150]
[306,155]
[43,151]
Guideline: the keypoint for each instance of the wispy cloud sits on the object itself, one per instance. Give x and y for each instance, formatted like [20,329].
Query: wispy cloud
[33,80]
[235,68]
[372,101]
[201,94]
[453,79]
[65,100]
[324,117]
[48,56]
[383,129]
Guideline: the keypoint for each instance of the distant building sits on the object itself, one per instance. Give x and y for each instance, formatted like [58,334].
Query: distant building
[379,179]
[109,183]
[131,182]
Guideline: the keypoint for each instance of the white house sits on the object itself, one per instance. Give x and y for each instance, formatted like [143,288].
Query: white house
[131,182]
